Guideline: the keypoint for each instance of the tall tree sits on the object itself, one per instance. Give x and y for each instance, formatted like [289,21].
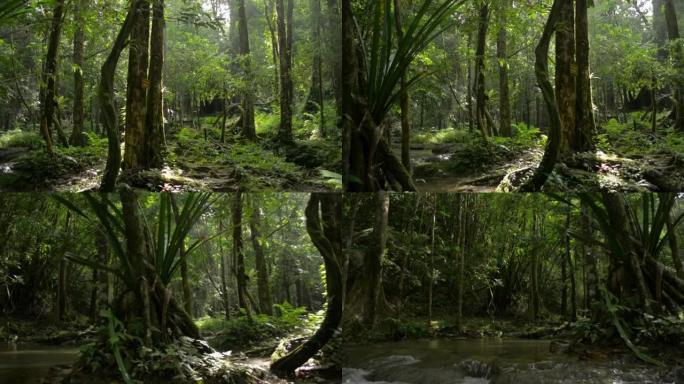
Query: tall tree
[585,107]
[263,286]
[502,55]
[77,137]
[480,86]
[677,61]
[155,135]
[138,61]
[247,119]
[49,78]
[238,255]
[566,76]
[323,224]
[314,101]
[106,99]
[404,101]
[285,38]
[374,257]
[333,50]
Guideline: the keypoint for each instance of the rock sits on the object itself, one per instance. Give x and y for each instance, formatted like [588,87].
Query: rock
[475,368]
[559,346]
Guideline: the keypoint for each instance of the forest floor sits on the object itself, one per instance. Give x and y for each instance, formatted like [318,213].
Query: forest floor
[193,163]
[625,160]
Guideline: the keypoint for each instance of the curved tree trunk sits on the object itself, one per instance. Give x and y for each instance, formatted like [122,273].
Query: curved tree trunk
[323,216]
[106,99]
[541,70]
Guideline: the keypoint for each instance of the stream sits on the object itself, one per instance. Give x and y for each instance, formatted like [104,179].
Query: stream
[496,361]
[29,363]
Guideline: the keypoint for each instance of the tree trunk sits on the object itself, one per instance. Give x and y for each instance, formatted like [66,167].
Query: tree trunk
[323,217]
[313,101]
[239,257]
[62,288]
[185,282]
[566,76]
[248,126]
[106,97]
[285,32]
[155,134]
[541,69]
[502,54]
[674,247]
[404,101]
[263,286]
[463,223]
[77,137]
[480,89]
[224,285]
[138,60]
[374,257]
[431,266]
[585,107]
[334,43]
[677,60]
[48,103]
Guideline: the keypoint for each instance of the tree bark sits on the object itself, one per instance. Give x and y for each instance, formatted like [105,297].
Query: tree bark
[674,246]
[155,135]
[285,32]
[248,125]
[404,100]
[480,86]
[224,284]
[323,217]
[334,57]
[585,107]
[138,61]
[238,255]
[541,69]
[263,286]
[49,77]
[106,99]
[77,137]
[504,92]
[566,76]
[374,257]
[677,60]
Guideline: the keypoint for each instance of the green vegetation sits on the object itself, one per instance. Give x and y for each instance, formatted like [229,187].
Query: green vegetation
[182,287]
[598,276]
[224,118]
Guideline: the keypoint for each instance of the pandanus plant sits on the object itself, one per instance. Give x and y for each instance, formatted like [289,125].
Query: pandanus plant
[387,64]
[147,255]
[635,246]
[371,165]
[10,9]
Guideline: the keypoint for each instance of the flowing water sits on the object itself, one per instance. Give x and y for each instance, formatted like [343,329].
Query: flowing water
[30,363]
[482,361]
